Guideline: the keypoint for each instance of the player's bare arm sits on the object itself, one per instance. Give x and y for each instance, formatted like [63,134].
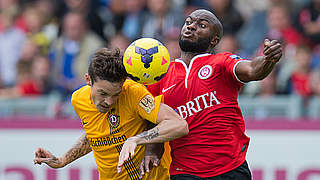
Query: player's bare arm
[78,150]
[169,126]
[261,66]
[153,154]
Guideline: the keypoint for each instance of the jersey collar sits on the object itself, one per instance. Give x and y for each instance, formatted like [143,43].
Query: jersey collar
[190,66]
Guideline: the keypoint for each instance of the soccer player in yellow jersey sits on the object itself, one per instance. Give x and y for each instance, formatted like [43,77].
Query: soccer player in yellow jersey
[114,112]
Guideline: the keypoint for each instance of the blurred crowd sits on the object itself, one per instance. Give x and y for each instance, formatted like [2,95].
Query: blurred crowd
[45,45]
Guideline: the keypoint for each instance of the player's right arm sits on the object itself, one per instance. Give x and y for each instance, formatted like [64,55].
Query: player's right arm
[153,154]
[79,149]
[261,66]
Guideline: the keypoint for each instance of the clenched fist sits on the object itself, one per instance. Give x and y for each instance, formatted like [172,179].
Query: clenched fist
[272,50]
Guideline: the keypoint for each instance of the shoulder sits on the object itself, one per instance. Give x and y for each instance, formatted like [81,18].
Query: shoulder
[228,55]
[133,93]
[130,85]
[81,95]
[133,89]
[210,57]
[215,58]
[173,63]
[223,55]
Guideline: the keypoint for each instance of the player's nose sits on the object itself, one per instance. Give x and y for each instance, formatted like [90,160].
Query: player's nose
[109,100]
[191,26]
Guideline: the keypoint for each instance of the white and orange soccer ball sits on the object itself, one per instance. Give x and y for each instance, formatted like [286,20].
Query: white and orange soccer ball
[146,60]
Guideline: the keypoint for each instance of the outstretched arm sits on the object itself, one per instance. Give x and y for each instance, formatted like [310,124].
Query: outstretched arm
[260,67]
[78,150]
[169,126]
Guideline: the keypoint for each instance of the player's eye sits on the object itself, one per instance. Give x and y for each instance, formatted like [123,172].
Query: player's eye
[203,25]
[103,94]
[188,22]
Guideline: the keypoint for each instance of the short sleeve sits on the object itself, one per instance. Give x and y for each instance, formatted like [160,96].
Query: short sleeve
[230,63]
[81,102]
[148,107]
[74,103]
[143,102]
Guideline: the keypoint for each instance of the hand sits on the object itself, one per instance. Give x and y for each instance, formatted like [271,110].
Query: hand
[272,50]
[147,163]
[44,156]
[127,150]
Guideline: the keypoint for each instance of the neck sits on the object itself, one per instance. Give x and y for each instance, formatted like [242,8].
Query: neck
[187,56]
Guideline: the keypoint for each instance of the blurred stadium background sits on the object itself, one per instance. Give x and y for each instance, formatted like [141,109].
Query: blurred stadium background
[45,47]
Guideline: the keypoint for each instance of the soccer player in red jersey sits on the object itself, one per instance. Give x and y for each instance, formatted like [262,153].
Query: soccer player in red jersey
[203,88]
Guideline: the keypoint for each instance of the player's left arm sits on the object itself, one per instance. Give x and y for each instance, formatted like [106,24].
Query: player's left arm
[169,126]
[260,67]
[152,155]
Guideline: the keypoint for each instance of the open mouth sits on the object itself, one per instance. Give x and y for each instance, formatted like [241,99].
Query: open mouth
[187,34]
[104,107]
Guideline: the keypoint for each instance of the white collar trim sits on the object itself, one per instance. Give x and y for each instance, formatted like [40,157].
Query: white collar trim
[190,66]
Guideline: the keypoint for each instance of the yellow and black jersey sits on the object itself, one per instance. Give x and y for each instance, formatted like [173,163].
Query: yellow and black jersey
[106,132]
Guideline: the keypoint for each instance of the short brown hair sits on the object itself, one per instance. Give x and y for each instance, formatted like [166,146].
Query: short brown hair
[107,65]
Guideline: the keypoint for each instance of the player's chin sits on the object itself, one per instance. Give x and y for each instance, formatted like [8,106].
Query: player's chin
[103,109]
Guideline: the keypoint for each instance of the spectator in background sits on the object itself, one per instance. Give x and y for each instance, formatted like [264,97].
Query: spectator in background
[40,73]
[280,26]
[71,52]
[254,29]
[25,85]
[112,14]
[88,8]
[47,9]
[160,19]
[34,24]
[29,50]
[230,17]
[308,21]
[301,75]
[13,7]
[228,43]
[119,41]
[117,10]
[171,41]
[134,19]
[32,78]
[11,40]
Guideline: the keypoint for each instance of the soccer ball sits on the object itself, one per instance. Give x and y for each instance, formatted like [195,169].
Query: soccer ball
[146,60]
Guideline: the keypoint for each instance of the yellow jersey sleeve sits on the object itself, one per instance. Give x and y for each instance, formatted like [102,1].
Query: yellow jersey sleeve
[83,105]
[147,106]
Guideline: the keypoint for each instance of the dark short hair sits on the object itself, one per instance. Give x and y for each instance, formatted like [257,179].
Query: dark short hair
[107,65]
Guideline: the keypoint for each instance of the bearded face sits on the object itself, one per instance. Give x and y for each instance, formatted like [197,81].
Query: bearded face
[200,45]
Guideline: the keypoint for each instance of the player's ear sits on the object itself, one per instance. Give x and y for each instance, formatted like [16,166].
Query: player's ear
[215,40]
[88,79]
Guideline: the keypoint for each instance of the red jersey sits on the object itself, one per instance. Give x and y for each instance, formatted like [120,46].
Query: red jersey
[205,94]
